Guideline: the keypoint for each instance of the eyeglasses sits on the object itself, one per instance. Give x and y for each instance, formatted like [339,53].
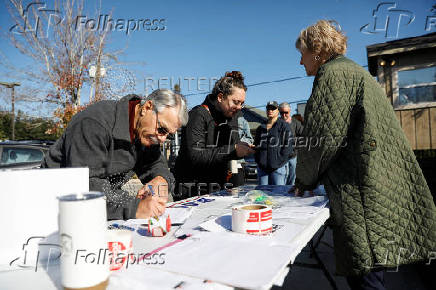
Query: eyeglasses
[271,108]
[161,130]
[238,103]
[284,112]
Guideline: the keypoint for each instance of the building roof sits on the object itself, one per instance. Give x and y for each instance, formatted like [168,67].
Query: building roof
[253,116]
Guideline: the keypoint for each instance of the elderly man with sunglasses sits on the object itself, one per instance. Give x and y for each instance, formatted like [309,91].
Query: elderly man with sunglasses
[117,139]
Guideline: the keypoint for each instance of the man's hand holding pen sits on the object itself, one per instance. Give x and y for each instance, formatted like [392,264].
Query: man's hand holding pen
[154,196]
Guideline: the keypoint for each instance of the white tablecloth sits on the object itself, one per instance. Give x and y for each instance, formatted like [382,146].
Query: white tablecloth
[202,260]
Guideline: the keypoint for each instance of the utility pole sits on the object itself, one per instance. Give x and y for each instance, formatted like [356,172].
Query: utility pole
[12,86]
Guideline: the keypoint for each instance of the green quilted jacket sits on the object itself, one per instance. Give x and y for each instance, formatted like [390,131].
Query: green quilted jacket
[382,211]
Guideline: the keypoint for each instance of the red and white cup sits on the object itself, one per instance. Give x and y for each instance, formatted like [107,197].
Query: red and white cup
[119,248]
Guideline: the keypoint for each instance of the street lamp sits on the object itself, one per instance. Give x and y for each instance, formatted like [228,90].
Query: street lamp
[94,75]
[12,86]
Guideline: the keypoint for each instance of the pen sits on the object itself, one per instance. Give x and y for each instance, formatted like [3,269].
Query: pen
[152,193]
[179,285]
[123,227]
[151,189]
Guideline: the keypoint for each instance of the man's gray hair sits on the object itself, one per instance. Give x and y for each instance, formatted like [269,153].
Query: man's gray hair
[285,105]
[164,98]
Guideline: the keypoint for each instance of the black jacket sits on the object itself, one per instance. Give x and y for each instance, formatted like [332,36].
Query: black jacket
[297,131]
[99,138]
[207,145]
[274,145]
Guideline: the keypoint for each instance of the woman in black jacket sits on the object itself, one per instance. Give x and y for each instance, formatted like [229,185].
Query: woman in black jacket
[273,148]
[210,140]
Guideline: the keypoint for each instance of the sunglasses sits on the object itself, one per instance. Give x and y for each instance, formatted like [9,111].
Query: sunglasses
[161,130]
[284,112]
[271,108]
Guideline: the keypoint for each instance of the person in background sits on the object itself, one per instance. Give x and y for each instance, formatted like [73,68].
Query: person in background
[117,139]
[245,137]
[273,147]
[244,129]
[297,130]
[210,140]
[299,118]
[383,214]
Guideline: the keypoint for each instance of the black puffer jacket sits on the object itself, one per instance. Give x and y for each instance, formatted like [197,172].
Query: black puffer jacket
[207,146]
[274,145]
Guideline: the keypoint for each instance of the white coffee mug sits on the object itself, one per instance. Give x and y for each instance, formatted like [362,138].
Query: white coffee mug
[82,230]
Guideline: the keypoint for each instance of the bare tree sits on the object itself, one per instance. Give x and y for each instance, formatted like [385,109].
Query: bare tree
[63,49]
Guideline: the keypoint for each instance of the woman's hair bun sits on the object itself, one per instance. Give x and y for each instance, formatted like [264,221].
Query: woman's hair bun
[236,75]
[226,84]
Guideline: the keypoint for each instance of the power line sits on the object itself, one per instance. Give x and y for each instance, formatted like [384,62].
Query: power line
[256,84]
[292,102]
[263,83]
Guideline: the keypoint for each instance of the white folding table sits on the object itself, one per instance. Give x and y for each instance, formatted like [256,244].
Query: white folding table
[169,276]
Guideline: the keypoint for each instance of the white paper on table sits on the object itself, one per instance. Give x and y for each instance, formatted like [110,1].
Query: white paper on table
[283,231]
[138,276]
[245,262]
[290,212]
[177,215]
[218,225]
[220,206]
[315,201]
[302,208]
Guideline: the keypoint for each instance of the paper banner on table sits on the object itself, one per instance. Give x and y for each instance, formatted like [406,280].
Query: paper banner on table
[228,259]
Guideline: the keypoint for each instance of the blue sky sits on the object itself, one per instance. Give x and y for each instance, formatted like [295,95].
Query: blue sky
[203,39]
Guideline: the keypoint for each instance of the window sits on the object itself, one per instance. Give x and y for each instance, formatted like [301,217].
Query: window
[13,155]
[417,86]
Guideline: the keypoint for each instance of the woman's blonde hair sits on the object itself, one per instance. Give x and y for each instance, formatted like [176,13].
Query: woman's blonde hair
[323,38]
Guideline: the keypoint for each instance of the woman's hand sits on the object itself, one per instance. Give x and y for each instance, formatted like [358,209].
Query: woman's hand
[243,149]
[299,192]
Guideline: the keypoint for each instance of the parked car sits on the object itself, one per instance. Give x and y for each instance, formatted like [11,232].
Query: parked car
[250,167]
[23,154]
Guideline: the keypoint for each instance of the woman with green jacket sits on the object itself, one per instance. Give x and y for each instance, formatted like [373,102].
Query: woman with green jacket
[382,211]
